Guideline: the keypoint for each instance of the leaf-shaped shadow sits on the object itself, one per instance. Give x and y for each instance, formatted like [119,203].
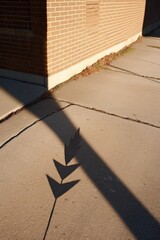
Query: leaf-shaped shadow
[65,171]
[58,189]
[73,147]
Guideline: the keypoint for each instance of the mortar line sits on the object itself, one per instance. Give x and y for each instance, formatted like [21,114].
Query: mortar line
[111,114]
[30,125]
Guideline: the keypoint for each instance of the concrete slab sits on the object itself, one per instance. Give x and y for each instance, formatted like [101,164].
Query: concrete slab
[149,40]
[118,193]
[144,62]
[116,92]
[143,66]
[138,65]
[148,55]
[15,95]
[146,49]
[27,117]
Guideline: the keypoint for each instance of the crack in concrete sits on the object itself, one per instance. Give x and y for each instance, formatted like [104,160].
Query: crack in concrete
[30,125]
[111,114]
[154,79]
[82,106]
[20,108]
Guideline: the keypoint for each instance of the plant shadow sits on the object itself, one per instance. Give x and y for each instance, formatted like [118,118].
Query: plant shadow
[136,217]
[140,222]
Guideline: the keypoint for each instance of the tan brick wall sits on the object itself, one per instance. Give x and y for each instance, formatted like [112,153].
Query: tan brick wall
[45,37]
[23,36]
[80,29]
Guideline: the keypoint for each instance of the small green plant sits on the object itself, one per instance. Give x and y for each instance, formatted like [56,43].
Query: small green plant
[99,65]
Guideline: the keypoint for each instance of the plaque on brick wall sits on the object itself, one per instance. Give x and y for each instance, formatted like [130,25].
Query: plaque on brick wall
[92,13]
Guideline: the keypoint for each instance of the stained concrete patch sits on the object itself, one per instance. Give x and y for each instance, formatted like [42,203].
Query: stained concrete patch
[15,95]
[28,116]
[118,193]
[116,92]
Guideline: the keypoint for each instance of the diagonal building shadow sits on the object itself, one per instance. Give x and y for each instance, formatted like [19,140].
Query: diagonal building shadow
[136,217]
[141,223]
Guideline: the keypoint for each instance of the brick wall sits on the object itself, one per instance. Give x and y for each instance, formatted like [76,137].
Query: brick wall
[80,29]
[45,37]
[15,14]
[23,36]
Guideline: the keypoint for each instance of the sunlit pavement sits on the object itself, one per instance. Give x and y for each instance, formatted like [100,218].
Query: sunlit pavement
[117,195]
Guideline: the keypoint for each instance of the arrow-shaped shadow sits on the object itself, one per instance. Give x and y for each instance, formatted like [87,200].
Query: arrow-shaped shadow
[58,189]
[63,170]
[73,147]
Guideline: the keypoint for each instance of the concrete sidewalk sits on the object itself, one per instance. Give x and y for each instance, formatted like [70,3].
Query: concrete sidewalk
[118,193]
[15,95]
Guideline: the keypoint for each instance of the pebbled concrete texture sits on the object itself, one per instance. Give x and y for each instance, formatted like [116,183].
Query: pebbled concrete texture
[118,193]
[15,95]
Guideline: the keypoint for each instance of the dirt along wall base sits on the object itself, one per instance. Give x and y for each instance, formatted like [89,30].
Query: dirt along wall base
[64,75]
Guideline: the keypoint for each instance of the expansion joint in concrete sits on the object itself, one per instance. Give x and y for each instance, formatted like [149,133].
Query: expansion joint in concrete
[81,106]
[30,125]
[111,114]
[155,79]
